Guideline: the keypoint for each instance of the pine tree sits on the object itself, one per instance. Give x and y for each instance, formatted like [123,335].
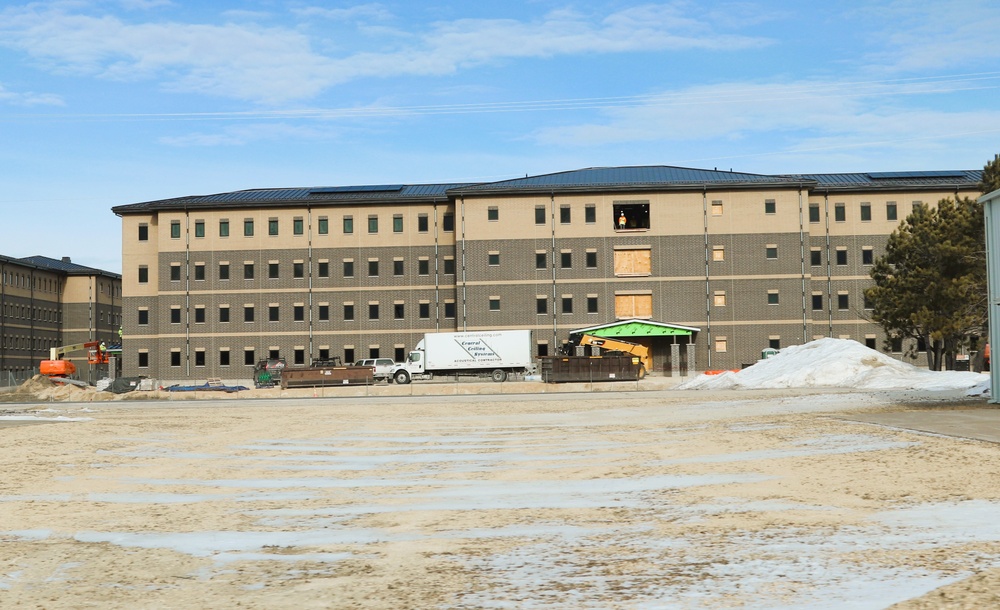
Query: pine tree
[931,283]
[991,176]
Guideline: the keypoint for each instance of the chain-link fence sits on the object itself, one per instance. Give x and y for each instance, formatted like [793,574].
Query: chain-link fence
[13,378]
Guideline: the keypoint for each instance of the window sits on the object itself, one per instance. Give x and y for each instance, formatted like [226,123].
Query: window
[890,210]
[397,223]
[348,224]
[423,266]
[199,314]
[323,313]
[866,211]
[248,313]
[298,312]
[348,353]
[323,269]
[541,305]
[449,310]
[199,272]
[223,357]
[298,270]
[273,313]
[448,222]
[631,215]
[449,265]
[223,228]
[298,226]
[348,267]
[539,214]
[867,256]
[843,301]
[716,208]
[492,213]
[175,273]
[591,303]
[633,305]
[813,212]
[373,267]
[769,206]
[772,297]
[175,315]
[199,357]
[373,311]
[564,214]
[175,229]
[424,310]
[143,232]
[774,342]
[567,304]
[175,358]
[199,228]
[591,259]
[541,260]
[841,256]
[839,212]
[223,313]
[248,227]
[272,226]
[494,259]
[299,355]
[272,270]
[398,310]
[143,360]
[718,254]
[494,303]
[348,312]
[817,302]
[323,225]
[249,358]
[815,257]
[721,344]
[719,298]
[223,271]
[771,251]
[373,223]
[143,274]
[422,223]
[590,214]
[633,262]
[870,343]
[143,317]
[566,259]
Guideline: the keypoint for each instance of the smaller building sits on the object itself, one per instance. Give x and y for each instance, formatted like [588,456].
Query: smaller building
[47,303]
[991,210]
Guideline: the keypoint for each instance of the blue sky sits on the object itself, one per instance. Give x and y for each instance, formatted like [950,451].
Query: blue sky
[116,102]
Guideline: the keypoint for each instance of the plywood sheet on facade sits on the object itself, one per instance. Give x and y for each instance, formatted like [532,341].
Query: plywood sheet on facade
[633,305]
[633,262]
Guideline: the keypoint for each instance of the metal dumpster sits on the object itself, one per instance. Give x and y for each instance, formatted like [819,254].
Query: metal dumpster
[562,369]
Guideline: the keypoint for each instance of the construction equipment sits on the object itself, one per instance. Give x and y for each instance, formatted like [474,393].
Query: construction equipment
[617,345]
[56,366]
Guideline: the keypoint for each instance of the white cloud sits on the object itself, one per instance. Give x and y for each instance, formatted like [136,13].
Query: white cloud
[29,98]
[360,11]
[275,64]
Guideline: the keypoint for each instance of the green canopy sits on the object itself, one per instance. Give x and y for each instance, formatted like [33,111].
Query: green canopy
[637,328]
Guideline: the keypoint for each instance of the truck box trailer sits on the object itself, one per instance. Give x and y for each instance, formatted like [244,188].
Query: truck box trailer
[487,353]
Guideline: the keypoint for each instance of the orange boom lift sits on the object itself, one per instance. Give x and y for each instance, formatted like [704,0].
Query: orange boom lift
[55,366]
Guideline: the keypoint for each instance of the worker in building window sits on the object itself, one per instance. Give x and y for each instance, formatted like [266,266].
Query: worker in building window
[621,221]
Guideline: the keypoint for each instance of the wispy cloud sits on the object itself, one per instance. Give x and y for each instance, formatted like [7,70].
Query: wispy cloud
[273,64]
[360,11]
[29,98]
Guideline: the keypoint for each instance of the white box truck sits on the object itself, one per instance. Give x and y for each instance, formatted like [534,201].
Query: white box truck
[486,353]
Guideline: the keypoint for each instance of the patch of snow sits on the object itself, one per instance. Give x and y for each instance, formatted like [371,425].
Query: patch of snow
[837,363]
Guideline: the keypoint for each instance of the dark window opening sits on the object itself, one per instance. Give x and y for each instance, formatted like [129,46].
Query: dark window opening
[632,215]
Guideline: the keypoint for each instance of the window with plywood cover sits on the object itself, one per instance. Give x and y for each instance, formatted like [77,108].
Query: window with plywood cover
[633,306]
[636,261]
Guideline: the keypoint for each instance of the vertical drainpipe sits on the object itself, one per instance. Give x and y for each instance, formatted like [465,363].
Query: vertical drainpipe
[829,268]
[465,303]
[437,278]
[802,247]
[708,291]
[552,262]
[187,293]
[309,276]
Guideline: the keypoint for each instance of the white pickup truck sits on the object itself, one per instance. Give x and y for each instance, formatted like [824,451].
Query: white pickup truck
[383,367]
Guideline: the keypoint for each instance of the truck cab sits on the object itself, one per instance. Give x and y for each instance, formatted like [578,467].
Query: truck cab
[413,367]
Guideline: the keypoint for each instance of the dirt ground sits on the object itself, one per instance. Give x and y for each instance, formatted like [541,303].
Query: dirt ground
[765,499]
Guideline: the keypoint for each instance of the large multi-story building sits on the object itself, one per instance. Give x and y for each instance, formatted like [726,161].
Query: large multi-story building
[729,263]
[50,303]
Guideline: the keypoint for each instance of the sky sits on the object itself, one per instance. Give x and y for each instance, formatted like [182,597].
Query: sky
[106,103]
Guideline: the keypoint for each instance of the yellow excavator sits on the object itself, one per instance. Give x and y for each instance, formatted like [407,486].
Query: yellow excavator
[617,345]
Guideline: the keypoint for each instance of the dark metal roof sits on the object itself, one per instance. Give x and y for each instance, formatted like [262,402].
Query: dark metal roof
[64,266]
[631,178]
[943,179]
[277,197]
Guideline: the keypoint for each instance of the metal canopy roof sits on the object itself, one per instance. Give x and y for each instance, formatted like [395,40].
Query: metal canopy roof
[638,328]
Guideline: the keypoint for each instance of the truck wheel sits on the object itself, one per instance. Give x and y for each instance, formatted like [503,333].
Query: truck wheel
[402,377]
[499,375]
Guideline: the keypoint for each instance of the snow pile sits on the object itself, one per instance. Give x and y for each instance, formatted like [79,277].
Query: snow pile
[837,363]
